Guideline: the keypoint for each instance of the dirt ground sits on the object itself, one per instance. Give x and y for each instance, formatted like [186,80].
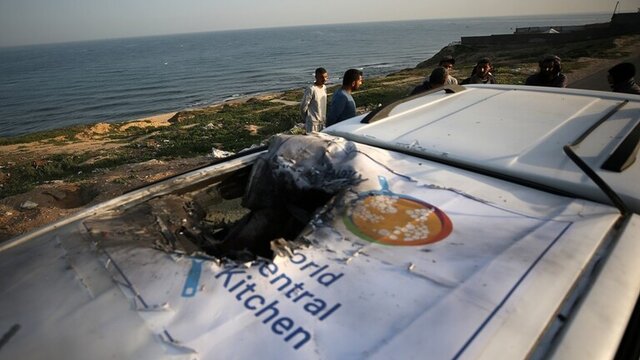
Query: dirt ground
[54,200]
[57,199]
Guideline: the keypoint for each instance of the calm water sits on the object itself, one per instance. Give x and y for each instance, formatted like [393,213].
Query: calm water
[50,86]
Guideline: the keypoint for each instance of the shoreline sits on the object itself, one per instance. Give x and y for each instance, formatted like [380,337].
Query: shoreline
[72,168]
[161,119]
[130,103]
[157,119]
[165,119]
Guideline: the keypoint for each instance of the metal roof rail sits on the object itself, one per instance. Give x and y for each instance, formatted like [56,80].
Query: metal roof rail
[383,111]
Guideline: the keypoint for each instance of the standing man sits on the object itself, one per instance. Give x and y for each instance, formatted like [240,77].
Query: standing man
[447,62]
[550,73]
[313,106]
[342,105]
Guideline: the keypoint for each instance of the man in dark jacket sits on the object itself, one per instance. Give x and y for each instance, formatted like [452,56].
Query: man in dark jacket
[481,73]
[437,79]
[621,79]
[550,73]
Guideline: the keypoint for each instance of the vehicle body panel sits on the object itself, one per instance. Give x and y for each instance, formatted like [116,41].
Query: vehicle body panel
[510,268]
[516,131]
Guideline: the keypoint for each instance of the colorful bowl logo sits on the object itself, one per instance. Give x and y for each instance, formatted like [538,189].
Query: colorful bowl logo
[392,219]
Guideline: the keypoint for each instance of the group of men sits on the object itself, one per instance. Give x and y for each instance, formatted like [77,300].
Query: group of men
[620,77]
[481,74]
[313,107]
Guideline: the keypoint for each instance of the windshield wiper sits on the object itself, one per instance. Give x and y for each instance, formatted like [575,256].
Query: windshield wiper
[608,191]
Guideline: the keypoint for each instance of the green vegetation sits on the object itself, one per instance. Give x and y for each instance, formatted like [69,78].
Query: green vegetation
[23,176]
[373,97]
[229,127]
[49,135]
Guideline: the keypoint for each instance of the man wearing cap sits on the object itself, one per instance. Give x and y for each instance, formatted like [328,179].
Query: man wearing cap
[621,79]
[549,74]
[447,62]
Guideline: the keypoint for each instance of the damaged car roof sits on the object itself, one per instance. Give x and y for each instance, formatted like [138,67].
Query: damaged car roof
[409,234]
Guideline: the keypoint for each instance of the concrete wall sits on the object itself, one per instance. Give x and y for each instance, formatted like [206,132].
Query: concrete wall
[561,29]
[532,38]
[627,23]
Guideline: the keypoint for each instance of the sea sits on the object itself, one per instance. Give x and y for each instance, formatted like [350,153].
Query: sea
[43,87]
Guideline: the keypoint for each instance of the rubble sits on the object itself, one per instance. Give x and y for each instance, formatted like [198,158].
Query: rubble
[28,205]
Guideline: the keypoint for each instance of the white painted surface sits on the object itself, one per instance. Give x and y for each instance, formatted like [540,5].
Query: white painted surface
[511,258]
[604,313]
[516,131]
[490,289]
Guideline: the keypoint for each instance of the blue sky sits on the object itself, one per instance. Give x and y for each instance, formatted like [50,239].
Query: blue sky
[46,21]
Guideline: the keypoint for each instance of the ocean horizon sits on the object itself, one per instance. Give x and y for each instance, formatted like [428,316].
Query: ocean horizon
[58,85]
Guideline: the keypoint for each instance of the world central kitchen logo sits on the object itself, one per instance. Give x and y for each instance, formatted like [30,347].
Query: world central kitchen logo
[392,219]
[260,300]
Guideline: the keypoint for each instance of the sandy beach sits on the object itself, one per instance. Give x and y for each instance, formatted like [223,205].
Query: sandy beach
[51,200]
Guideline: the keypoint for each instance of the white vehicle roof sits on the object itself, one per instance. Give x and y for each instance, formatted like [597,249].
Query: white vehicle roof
[515,131]
[412,258]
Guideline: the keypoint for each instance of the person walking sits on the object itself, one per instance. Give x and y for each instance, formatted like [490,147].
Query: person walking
[342,105]
[313,106]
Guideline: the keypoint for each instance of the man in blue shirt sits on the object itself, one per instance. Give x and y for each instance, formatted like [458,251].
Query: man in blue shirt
[342,105]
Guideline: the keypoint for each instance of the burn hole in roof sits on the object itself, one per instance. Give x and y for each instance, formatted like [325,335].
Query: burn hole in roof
[238,214]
